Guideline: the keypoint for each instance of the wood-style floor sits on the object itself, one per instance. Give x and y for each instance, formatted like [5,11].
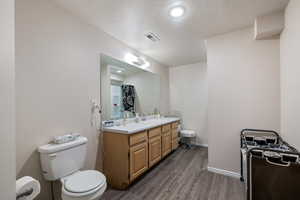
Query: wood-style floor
[182,175]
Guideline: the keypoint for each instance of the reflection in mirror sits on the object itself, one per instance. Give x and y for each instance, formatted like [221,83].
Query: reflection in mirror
[127,90]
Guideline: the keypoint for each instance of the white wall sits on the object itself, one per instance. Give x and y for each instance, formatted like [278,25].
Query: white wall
[188,97]
[57,74]
[7,122]
[290,70]
[243,92]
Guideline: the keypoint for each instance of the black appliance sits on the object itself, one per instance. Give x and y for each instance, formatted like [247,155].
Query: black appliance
[270,167]
[251,138]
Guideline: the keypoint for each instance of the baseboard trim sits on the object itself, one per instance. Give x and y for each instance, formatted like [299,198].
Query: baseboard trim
[201,145]
[224,172]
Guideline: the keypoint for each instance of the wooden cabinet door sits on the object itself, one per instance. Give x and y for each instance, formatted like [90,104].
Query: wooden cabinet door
[138,160]
[175,138]
[154,150]
[175,143]
[174,134]
[166,143]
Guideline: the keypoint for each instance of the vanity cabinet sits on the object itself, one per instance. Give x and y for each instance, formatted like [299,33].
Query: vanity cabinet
[127,156]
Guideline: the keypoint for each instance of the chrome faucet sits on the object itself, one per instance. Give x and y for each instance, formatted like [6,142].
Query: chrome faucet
[143,117]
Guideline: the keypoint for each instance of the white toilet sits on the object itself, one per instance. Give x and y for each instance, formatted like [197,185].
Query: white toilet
[63,162]
[188,136]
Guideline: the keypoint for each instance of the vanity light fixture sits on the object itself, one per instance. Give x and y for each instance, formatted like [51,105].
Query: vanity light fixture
[145,65]
[137,61]
[119,71]
[130,58]
[177,12]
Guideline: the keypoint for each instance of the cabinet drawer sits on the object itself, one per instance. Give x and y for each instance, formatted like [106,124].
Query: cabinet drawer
[174,134]
[154,132]
[166,127]
[138,138]
[174,125]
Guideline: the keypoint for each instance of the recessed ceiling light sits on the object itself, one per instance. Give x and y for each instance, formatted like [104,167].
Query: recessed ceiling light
[177,11]
[119,71]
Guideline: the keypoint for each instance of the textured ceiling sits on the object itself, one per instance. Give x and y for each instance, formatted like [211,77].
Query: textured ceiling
[182,41]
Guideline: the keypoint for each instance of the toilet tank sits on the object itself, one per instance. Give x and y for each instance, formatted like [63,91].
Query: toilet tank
[60,160]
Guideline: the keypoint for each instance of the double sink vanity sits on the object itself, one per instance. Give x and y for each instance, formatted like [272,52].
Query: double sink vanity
[135,136]
[130,150]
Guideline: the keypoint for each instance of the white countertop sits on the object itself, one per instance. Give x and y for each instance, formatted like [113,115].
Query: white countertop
[134,127]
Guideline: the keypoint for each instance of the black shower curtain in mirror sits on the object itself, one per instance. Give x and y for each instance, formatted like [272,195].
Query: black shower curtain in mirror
[128,98]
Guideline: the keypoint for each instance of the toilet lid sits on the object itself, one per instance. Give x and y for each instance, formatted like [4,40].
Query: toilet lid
[84,181]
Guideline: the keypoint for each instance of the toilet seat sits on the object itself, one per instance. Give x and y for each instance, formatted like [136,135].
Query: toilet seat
[84,183]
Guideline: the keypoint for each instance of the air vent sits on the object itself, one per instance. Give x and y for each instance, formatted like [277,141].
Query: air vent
[153,37]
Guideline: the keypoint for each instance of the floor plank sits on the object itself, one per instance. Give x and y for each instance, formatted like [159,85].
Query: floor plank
[182,175]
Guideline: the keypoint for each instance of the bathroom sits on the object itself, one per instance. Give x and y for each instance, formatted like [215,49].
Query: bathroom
[220,67]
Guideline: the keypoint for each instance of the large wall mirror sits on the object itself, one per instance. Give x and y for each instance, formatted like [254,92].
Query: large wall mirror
[127,90]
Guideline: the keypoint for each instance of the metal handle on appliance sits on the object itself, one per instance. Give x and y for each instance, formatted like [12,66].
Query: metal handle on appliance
[259,130]
[285,164]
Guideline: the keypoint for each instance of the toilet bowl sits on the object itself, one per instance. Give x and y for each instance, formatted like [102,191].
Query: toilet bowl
[83,185]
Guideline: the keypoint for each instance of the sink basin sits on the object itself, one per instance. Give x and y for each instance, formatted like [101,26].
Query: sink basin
[134,127]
